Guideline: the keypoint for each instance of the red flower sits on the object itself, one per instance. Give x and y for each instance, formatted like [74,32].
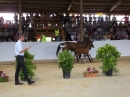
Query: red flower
[1,72]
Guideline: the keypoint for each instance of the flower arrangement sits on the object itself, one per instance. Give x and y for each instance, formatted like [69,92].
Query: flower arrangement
[3,77]
[90,70]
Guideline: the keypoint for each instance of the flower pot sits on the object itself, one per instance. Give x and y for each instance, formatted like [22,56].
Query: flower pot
[66,74]
[91,75]
[109,72]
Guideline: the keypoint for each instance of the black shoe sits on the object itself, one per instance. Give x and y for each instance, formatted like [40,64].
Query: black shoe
[18,83]
[31,82]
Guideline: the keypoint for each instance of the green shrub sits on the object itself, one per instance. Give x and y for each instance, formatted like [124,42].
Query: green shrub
[109,55]
[65,61]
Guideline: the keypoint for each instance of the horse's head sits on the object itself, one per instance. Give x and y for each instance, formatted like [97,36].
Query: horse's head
[91,44]
[87,39]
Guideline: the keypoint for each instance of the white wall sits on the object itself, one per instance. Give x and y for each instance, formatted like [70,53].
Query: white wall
[45,51]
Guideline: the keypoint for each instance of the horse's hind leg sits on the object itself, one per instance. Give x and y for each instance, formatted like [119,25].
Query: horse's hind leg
[79,58]
[89,57]
[76,55]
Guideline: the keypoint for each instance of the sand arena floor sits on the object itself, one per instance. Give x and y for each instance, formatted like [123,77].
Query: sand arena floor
[49,82]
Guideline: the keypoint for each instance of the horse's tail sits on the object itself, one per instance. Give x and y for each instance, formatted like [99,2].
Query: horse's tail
[59,47]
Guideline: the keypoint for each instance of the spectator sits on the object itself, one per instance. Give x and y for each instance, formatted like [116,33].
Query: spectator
[43,38]
[114,20]
[72,37]
[56,32]
[31,20]
[16,18]
[106,18]
[16,37]
[126,19]
[59,37]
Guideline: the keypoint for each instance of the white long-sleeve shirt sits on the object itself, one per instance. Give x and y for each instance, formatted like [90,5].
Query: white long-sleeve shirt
[18,48]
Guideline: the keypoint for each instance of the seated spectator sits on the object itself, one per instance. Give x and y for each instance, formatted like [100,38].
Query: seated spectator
[10,40]
[78,37]
[16,37]
[1,34]
[72,37]
[120,24]
[126,36]
[26,37]
[59,37]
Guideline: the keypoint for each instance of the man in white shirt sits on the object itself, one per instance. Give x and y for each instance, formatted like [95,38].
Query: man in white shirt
[19,52]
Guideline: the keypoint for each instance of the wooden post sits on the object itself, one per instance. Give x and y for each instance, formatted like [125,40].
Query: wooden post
[81,20]
[20,20]
[109,17]
[128,17]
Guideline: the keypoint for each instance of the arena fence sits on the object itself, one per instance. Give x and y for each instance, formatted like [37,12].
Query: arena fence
[47,51]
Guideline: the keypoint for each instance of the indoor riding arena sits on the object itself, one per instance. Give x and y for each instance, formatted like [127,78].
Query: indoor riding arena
[69,48]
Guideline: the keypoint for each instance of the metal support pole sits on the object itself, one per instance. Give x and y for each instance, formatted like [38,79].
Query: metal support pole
[20,20]
[81,20]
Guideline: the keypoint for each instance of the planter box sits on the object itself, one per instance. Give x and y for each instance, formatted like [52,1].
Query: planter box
[91,75]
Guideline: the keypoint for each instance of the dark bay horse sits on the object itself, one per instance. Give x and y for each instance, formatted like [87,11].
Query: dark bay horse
[84,51]
[72,46]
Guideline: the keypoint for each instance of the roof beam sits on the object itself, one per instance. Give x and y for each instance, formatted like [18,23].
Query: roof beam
[77,3]
[69,7]
[115,5]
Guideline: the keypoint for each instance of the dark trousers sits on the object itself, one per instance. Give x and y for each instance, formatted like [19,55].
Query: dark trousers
[20,65]
[114,23]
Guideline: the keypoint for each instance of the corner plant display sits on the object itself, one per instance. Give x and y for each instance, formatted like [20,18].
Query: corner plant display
[29,66]
[3,77]
[66,61]
[109,55]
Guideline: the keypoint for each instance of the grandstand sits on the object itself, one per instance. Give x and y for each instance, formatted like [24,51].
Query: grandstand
[47,15]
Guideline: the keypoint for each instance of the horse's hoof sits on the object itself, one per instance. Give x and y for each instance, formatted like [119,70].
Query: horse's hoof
[92,62]
[84,61]
[75,61]
[80,62]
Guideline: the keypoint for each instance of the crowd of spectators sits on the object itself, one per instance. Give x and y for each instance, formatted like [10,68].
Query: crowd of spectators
[9,30]
[97,28]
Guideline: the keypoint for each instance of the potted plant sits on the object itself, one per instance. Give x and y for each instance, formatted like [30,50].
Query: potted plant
[3,77]
[109,55]
[90,72]
[66,61]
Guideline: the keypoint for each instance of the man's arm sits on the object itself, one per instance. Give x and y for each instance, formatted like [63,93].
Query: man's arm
[19,48]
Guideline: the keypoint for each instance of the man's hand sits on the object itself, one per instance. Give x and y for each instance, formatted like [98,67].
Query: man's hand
[27,48]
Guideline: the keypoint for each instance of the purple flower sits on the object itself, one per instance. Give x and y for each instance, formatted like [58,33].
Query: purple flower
[2,74]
